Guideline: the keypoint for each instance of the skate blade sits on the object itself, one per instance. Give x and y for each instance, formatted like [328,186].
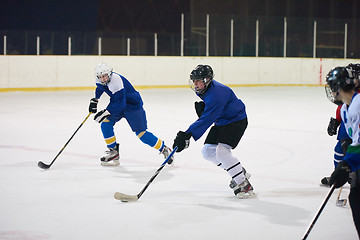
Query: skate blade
[113,163]
[249,194]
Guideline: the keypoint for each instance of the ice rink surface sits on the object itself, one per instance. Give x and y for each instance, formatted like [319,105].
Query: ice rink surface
[285,148]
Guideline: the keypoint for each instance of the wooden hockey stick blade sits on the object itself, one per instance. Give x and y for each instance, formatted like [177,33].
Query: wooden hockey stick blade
[341,202]
[125,198]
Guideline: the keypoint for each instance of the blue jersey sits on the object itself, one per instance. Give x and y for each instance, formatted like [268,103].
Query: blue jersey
[123,96]
[221,107]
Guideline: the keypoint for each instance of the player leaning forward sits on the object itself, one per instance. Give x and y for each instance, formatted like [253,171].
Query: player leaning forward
[221,107]
[342,84]
[125,102]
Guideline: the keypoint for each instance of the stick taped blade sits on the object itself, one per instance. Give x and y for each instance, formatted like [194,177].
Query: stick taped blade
[125,198]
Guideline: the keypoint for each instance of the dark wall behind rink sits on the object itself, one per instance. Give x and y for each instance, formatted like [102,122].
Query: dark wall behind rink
[154,15]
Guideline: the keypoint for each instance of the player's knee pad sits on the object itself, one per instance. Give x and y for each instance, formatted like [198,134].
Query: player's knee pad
[209,151]
[223,151]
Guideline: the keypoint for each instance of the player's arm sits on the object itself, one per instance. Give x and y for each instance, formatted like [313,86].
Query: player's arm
[94,101]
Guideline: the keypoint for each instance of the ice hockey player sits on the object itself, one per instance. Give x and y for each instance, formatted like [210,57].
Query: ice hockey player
[221,107]
[336,126]
[342,84]
[125,102]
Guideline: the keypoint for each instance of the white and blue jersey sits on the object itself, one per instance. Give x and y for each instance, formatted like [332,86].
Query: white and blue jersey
[221,107]
[123,96]
[125,102]
[350,115]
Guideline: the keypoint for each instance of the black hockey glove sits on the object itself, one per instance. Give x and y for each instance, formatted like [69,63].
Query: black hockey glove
[199,108]
[100,116]
[332,128]
[340,175]
[182,141]
[93,105]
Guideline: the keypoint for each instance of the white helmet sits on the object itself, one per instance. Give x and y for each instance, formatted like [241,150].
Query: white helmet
[103,69]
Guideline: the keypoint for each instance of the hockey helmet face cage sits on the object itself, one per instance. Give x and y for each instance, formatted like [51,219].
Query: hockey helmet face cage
[203,73]
[333,97]
[103,73]
[340,78]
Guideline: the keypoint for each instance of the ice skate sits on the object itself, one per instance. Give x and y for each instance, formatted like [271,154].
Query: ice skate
[325,182]
[243,190]
[233,183]
[166,152]
[112,157]
[247,175]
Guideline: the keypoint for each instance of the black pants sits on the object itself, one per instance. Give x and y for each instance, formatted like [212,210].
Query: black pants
[229,134]
[354,199]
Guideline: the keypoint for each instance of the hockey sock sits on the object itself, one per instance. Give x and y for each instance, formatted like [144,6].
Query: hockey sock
[107,129]
[150,139]
[209,153]
[338,154]
[230,163]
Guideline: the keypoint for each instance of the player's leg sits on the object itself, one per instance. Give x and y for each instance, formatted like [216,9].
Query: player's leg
[338,157]
[112,155]
[209,153]
[339,151]
[354,199]
[138,123]
[217,149]
[229,137]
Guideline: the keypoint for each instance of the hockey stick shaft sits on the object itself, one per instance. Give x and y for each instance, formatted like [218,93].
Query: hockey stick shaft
[338,197]
[126,198]
[319,212]
[46,166]
[157,172]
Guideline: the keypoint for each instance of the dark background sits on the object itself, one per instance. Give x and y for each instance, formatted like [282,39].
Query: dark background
[154,15]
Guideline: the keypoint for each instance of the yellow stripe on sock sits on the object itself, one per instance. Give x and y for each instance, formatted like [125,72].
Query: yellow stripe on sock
[110,140]
[141,134]
[158,144]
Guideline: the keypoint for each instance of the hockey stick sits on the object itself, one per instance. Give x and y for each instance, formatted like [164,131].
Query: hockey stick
[319,212]
[132,198]
[340,202]
[47,166]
